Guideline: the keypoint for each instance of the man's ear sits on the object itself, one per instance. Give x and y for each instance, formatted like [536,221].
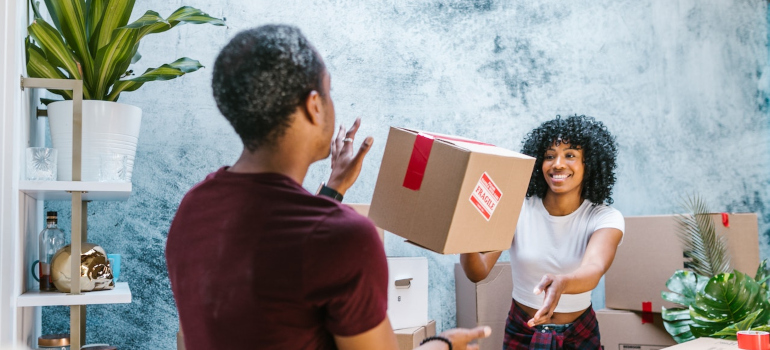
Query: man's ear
[313,107]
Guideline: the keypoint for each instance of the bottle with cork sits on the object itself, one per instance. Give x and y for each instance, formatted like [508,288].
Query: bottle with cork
[51,239]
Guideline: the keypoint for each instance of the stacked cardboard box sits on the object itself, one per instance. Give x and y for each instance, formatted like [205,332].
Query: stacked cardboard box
[410,338]
[650,253]
[485,303]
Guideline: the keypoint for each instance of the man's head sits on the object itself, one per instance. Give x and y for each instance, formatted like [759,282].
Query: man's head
[266,74]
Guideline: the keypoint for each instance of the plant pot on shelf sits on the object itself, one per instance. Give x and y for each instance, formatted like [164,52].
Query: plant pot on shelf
[108,128]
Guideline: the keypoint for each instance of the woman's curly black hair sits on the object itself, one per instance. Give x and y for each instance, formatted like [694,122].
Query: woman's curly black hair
[599,154]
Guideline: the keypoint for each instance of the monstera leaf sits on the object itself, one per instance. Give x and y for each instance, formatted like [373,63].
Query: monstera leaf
[730,331]
[727,299]
[684,287]
[677,323]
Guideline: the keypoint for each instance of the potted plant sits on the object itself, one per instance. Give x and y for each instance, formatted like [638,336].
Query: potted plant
[91,40]
[715,300]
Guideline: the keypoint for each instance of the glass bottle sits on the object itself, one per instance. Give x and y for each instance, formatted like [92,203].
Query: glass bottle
[51,239]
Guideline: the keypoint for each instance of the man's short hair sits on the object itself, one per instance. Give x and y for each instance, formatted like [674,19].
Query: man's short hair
[261,77]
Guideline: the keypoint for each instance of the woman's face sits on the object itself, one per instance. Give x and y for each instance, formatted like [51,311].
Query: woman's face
[563,168]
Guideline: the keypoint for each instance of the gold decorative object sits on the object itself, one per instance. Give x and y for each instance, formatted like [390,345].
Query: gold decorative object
[95,269]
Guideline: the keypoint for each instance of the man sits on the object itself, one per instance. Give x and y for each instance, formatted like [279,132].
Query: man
[256,261]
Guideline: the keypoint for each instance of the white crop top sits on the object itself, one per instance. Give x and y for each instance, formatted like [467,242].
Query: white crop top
[546,244]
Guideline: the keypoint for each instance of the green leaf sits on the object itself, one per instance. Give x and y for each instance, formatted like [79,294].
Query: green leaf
[151,22]
[165,72]
[700,241]
[112,59]
[763,274]
[730,331]
[56,52]
[70,19]
[136,58]
[115,15]
[192,15]
[677,323]
[46,101]
[684,286]
[95,11]
[726,299]
[36,9]
[39,67]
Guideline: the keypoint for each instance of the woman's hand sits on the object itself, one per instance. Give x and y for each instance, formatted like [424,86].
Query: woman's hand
[553,286]
[345,165]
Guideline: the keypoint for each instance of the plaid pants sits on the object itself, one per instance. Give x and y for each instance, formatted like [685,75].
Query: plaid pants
[583,334]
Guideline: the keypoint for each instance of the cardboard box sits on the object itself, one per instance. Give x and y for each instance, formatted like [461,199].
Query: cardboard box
[408,292]
[624,330]
[651,252]
[363,209]
[707,344]
[485,303]
[449,194]
[410,338]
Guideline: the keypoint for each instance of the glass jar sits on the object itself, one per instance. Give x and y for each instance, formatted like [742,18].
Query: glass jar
[50,240]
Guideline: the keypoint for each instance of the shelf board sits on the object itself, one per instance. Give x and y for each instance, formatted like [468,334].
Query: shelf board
[120,295]
[60,190]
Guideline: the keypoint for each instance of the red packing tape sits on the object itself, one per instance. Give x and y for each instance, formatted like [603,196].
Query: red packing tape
[647,312]
[415,171]
[725,219]
[753,340]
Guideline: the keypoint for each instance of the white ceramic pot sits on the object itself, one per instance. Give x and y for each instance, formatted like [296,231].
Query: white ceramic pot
[108,128]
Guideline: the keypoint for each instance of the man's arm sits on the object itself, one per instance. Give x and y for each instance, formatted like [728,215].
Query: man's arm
[382,337]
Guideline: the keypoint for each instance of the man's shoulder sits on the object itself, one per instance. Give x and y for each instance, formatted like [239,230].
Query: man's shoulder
[344,226]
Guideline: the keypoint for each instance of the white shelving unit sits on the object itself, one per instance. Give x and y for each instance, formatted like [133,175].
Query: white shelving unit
[62,190]
[29,299]
[120,295]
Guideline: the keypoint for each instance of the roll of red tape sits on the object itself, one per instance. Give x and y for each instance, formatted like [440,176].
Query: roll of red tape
[753,340]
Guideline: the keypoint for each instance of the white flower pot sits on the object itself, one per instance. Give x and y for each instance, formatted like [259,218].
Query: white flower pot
[108,127]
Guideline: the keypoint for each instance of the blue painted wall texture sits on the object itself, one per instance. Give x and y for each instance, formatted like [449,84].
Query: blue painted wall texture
[683,85]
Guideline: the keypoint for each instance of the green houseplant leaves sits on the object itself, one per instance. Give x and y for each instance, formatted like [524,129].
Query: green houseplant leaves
[684,286]
[93,41]
[727,299]
[716,307]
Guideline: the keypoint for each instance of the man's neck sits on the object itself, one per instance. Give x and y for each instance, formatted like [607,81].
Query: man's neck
[272,160]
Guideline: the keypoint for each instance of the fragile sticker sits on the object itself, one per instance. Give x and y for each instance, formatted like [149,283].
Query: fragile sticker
[486,195]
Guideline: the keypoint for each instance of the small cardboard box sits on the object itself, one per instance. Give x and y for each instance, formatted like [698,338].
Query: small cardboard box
[408,292]
[363,209]
[651,252]
[707,344]
[485,303]
[449,194]
[624,330]
[410,338]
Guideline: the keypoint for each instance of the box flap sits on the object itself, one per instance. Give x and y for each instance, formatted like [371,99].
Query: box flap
[470,144]
[465,299]
[494,294]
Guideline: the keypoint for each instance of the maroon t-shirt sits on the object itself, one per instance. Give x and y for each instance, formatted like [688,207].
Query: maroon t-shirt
[256,261]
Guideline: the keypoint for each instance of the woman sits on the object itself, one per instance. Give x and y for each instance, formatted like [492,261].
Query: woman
[566,237]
